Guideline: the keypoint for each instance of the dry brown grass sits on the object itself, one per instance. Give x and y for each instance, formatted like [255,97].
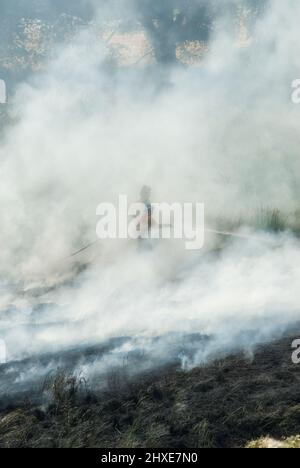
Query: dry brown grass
[269,443]
[228,403]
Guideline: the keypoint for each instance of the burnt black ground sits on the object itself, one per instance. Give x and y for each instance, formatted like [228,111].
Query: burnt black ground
[226,403]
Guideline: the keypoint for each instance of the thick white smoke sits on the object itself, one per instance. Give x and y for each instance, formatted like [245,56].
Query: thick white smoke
[224,133]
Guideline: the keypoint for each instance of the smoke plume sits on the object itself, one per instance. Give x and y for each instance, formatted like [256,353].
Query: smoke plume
[223,132]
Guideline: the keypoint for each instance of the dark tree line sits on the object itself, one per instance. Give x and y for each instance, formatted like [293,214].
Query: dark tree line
[166,22]
[169,22]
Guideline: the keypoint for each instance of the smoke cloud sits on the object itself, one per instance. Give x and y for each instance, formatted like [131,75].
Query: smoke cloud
[224,133]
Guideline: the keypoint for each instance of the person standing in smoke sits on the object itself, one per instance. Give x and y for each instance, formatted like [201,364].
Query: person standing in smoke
[146,221]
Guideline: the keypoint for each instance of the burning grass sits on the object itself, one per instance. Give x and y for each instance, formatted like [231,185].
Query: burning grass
[228,403]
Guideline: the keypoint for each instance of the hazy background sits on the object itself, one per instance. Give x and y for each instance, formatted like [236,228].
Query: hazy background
[84,129]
